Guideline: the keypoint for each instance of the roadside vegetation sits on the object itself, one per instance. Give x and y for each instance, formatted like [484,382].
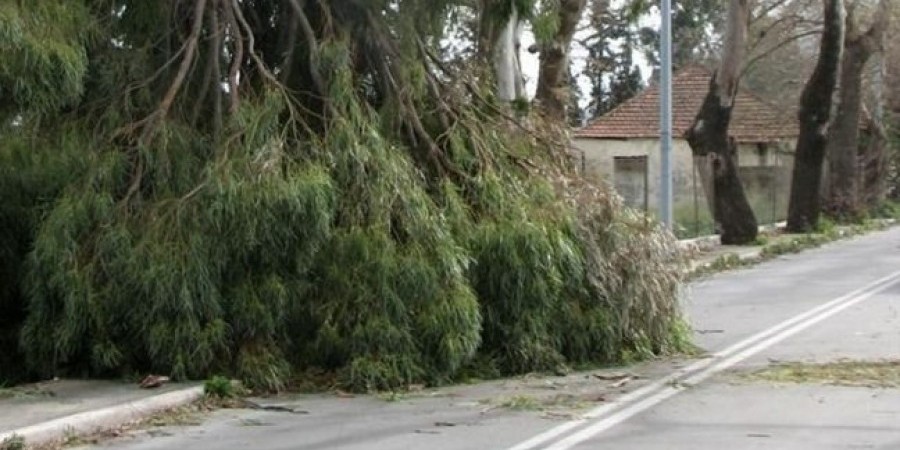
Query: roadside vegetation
[777,242]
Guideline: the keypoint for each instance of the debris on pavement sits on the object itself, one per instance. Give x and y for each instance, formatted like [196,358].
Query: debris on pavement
[153,381]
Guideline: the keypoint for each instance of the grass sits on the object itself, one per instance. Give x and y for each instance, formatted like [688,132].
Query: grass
[392,396]
[729,261]
[777,245]
[13,442]
[691,222]
[873,374]
[24,392]
[219,387]
[521,403]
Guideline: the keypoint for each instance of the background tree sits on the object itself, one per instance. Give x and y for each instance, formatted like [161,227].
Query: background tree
[610,67]
[554,70]
[501,25]
[708,136]
[698,27]
[891,96]
[782,48]
[843,138]
[617,37]
[815,116]
[575,112]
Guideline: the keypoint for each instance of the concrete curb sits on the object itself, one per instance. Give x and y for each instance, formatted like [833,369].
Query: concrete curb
[713,240]
[755,254]
[103,419]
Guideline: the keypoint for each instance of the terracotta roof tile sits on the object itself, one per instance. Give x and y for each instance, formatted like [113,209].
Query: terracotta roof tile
[752,121]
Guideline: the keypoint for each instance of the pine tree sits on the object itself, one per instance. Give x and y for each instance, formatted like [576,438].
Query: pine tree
[610,67]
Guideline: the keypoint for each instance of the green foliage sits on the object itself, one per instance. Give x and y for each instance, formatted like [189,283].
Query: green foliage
[502,10]
[43,65]
[184,285]
[32,174]
[14,442]
[611,70]
[693,220]
[219,387]
[889,209]
[518,275]
[545,23]
[825,226]
[384,230]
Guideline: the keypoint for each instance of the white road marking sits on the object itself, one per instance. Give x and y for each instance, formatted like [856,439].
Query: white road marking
[654,393]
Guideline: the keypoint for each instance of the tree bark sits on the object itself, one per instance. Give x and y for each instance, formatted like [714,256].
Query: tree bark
[892,63]
[499,43]
[874,166]
[709,141]
[553,89]
[815,117]
[843,140]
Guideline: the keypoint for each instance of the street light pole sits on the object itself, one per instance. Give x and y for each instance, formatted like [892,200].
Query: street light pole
[665,114]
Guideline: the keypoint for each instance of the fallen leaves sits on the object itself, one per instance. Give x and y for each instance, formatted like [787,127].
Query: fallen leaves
[872,374]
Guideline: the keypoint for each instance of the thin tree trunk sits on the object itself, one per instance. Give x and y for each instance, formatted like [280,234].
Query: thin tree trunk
[708,136]
[553,88]
[843,140]
[815,116]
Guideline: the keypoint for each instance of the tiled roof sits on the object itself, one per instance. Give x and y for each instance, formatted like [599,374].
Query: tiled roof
[752,120]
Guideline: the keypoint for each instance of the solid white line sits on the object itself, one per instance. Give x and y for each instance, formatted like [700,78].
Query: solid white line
[704,368]
[670,391]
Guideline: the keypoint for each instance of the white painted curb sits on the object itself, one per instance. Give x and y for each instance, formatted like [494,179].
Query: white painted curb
[104,418]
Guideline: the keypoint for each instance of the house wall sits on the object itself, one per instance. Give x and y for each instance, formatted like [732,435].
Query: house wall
[599,157]
[765,174]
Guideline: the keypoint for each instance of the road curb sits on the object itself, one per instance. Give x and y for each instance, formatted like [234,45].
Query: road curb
[714,240]
[103,419]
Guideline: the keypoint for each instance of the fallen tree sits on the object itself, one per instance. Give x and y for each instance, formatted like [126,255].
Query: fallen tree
[264,188]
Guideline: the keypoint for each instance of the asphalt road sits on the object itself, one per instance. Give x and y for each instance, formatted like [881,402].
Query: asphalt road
[840,302]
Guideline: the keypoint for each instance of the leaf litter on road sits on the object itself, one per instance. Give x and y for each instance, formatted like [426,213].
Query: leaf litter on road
[872,374]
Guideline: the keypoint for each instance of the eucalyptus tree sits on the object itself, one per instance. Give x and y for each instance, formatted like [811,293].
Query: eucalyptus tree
[266,187]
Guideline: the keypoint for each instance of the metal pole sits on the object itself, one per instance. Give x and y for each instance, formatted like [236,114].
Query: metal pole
[665,114]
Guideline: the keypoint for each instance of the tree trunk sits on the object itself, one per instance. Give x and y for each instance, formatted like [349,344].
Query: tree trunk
[499,44]
[874,167]
[708,136]
[553,80]
[815,116]
[841,200]
[891,63]
[843,140]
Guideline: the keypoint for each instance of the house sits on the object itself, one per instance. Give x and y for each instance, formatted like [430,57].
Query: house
[623,148]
